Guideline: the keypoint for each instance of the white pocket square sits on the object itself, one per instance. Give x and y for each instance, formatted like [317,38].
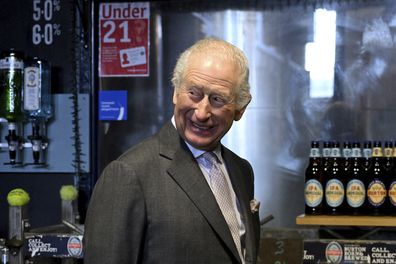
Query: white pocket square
[254,206]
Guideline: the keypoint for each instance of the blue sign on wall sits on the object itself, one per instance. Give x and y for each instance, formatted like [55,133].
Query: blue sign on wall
[113,105]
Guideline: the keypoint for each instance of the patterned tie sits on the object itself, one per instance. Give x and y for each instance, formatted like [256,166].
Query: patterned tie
[222,194]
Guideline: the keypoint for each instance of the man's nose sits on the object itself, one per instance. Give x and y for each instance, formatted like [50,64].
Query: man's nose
[203,109]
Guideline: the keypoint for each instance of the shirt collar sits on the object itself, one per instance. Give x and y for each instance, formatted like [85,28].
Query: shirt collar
[197,152]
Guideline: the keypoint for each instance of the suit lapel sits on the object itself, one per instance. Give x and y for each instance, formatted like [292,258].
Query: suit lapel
[186,173]
[240,189]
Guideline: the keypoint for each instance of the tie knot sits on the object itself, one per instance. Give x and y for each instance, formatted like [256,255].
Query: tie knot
[209,159]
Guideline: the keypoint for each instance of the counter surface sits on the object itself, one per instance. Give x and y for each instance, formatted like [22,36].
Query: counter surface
[346,220]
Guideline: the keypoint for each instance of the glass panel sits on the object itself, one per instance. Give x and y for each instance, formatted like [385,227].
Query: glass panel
[317,73]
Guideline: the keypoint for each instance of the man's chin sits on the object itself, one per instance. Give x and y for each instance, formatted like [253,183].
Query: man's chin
[201,144]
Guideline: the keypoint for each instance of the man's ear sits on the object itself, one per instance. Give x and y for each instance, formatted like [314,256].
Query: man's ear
[239,113]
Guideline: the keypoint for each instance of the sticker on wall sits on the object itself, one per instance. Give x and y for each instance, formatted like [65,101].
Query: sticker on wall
[124,39]
[113,105]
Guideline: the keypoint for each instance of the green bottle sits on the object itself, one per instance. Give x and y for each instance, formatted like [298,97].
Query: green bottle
[11,85]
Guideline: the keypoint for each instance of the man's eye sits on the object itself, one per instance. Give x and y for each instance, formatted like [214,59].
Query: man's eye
[194,94]
[218,100]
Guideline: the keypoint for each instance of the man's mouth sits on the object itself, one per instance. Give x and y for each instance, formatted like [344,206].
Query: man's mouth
[201,127]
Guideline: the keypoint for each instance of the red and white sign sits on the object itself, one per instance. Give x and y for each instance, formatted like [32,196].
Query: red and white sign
[124,39]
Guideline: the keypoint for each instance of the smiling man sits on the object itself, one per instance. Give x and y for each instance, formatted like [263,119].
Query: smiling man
[180,196]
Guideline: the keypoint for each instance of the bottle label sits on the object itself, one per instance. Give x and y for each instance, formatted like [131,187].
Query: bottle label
[388,152]
[367,153]
[335,152]
[31,100]
[334,193]
[313,193]
[376,193]
[377,152]
[356,153]
[314,153]
[355,193]
[392,193]
[326,152]
[347,153]
[11,104]
[12,83]
[11,63]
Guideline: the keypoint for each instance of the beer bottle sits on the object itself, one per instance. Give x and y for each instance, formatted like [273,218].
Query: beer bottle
[388,173]
[334,187]
[366,159]
[355,187]
[392,184]
[313,191]
[388,159]
[11,83]
[376,186]
[347,157]
[326,154]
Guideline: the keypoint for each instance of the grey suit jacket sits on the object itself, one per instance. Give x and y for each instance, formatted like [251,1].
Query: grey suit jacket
[153,205]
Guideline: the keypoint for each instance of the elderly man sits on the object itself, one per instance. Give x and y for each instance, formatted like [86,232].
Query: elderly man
[180,196]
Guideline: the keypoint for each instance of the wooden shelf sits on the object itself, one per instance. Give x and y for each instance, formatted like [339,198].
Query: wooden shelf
[346,220]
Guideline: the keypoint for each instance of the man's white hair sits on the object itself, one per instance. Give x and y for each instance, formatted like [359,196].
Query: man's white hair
[220,48]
